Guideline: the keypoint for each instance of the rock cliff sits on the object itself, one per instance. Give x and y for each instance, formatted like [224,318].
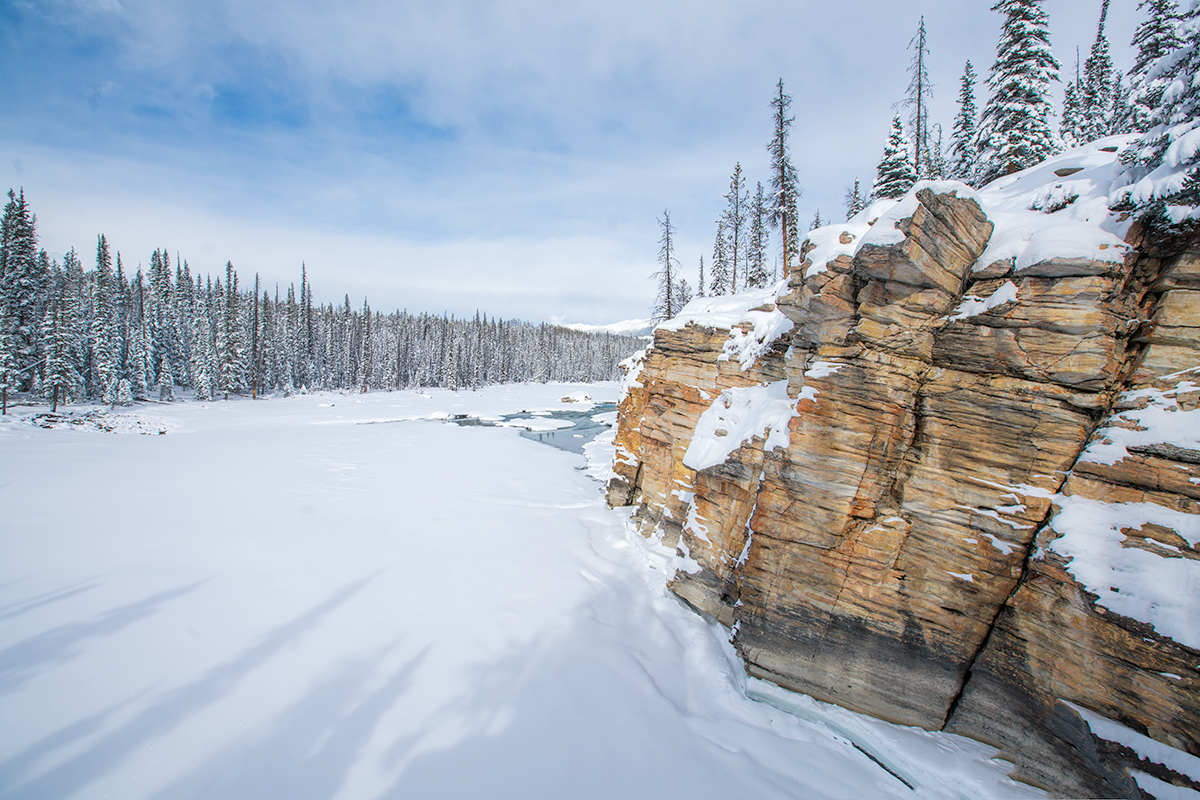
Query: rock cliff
[948,474]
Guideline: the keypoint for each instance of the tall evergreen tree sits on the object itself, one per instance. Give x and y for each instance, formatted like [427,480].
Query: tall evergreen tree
[105,345]
[734,217]
[938,168]
[1014,131]
[204,353]
[816,221]
[895,174]
[854,200]
[700,284]
[1098,84]
[8,364]
[255,365]
[1157,36]
[719,282]
[61,334]
[230,345]
[1121,114]
[920,89]
[1175,119]
[756,253]
[784,185]
[1072,128]
[665,306]
[964,144]
[22,286]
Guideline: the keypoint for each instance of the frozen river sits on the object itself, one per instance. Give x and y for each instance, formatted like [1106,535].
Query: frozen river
[275,599]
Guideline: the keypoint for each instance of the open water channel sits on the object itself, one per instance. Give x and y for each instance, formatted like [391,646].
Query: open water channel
[584,427]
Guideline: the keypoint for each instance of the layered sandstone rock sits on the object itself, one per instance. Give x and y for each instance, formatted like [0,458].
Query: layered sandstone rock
[895,553]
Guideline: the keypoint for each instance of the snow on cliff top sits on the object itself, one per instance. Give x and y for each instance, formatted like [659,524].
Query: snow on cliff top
[885,232]
[1058,209]
[751,317]
[723,311]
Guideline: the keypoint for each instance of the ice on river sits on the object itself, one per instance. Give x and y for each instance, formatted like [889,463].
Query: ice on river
[273,599]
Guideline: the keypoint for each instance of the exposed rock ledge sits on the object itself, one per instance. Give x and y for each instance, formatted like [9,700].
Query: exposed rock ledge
[918,536]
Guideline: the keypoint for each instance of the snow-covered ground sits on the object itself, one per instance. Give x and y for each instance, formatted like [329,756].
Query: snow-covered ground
[280,599]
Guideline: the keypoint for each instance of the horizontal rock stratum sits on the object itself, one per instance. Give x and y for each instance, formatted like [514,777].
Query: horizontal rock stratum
[948,473]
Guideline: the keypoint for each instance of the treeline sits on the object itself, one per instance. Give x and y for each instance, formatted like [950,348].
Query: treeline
[69,333]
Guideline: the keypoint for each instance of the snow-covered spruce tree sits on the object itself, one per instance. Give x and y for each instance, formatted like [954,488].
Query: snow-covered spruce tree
[665,302]
[1072,128]
[816,221]
[1098,84]
[138,358]
[920,89]
[756,253]
[797,239]
[76,303]
[204,358]
[895,174]
[59,334]
[1121,115]
[964,145]
[1014,131]
[1155,37]
[1170,140]
[781,213]
[230,346]
[719,282]
[165,327]
[123,306]
[938,168]
[22,287]
[366,353]
[854,200]
[103,332]
[700,285]
[8,369]
[683,293]
[734,216]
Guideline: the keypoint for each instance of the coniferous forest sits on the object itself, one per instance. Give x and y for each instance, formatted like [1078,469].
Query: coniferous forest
[70,333]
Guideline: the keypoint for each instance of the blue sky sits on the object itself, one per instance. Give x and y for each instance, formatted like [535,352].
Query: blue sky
[452,156]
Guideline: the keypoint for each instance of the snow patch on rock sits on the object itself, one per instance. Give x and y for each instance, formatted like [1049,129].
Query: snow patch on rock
[1035,223]
[884,231]
[1161,421]
[1170,757]
[747,345]
[829,242]
[736,417]
[1162,592]
[971,305]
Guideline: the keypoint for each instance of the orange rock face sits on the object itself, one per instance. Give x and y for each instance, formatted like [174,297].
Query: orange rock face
[896,555]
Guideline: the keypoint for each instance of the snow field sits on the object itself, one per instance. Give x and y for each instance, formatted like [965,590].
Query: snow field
[334,596]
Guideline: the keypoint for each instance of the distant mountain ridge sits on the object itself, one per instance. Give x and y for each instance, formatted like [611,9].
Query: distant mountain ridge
[629,327]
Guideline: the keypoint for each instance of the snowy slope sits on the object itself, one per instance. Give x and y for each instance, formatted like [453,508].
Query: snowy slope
[335,596]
